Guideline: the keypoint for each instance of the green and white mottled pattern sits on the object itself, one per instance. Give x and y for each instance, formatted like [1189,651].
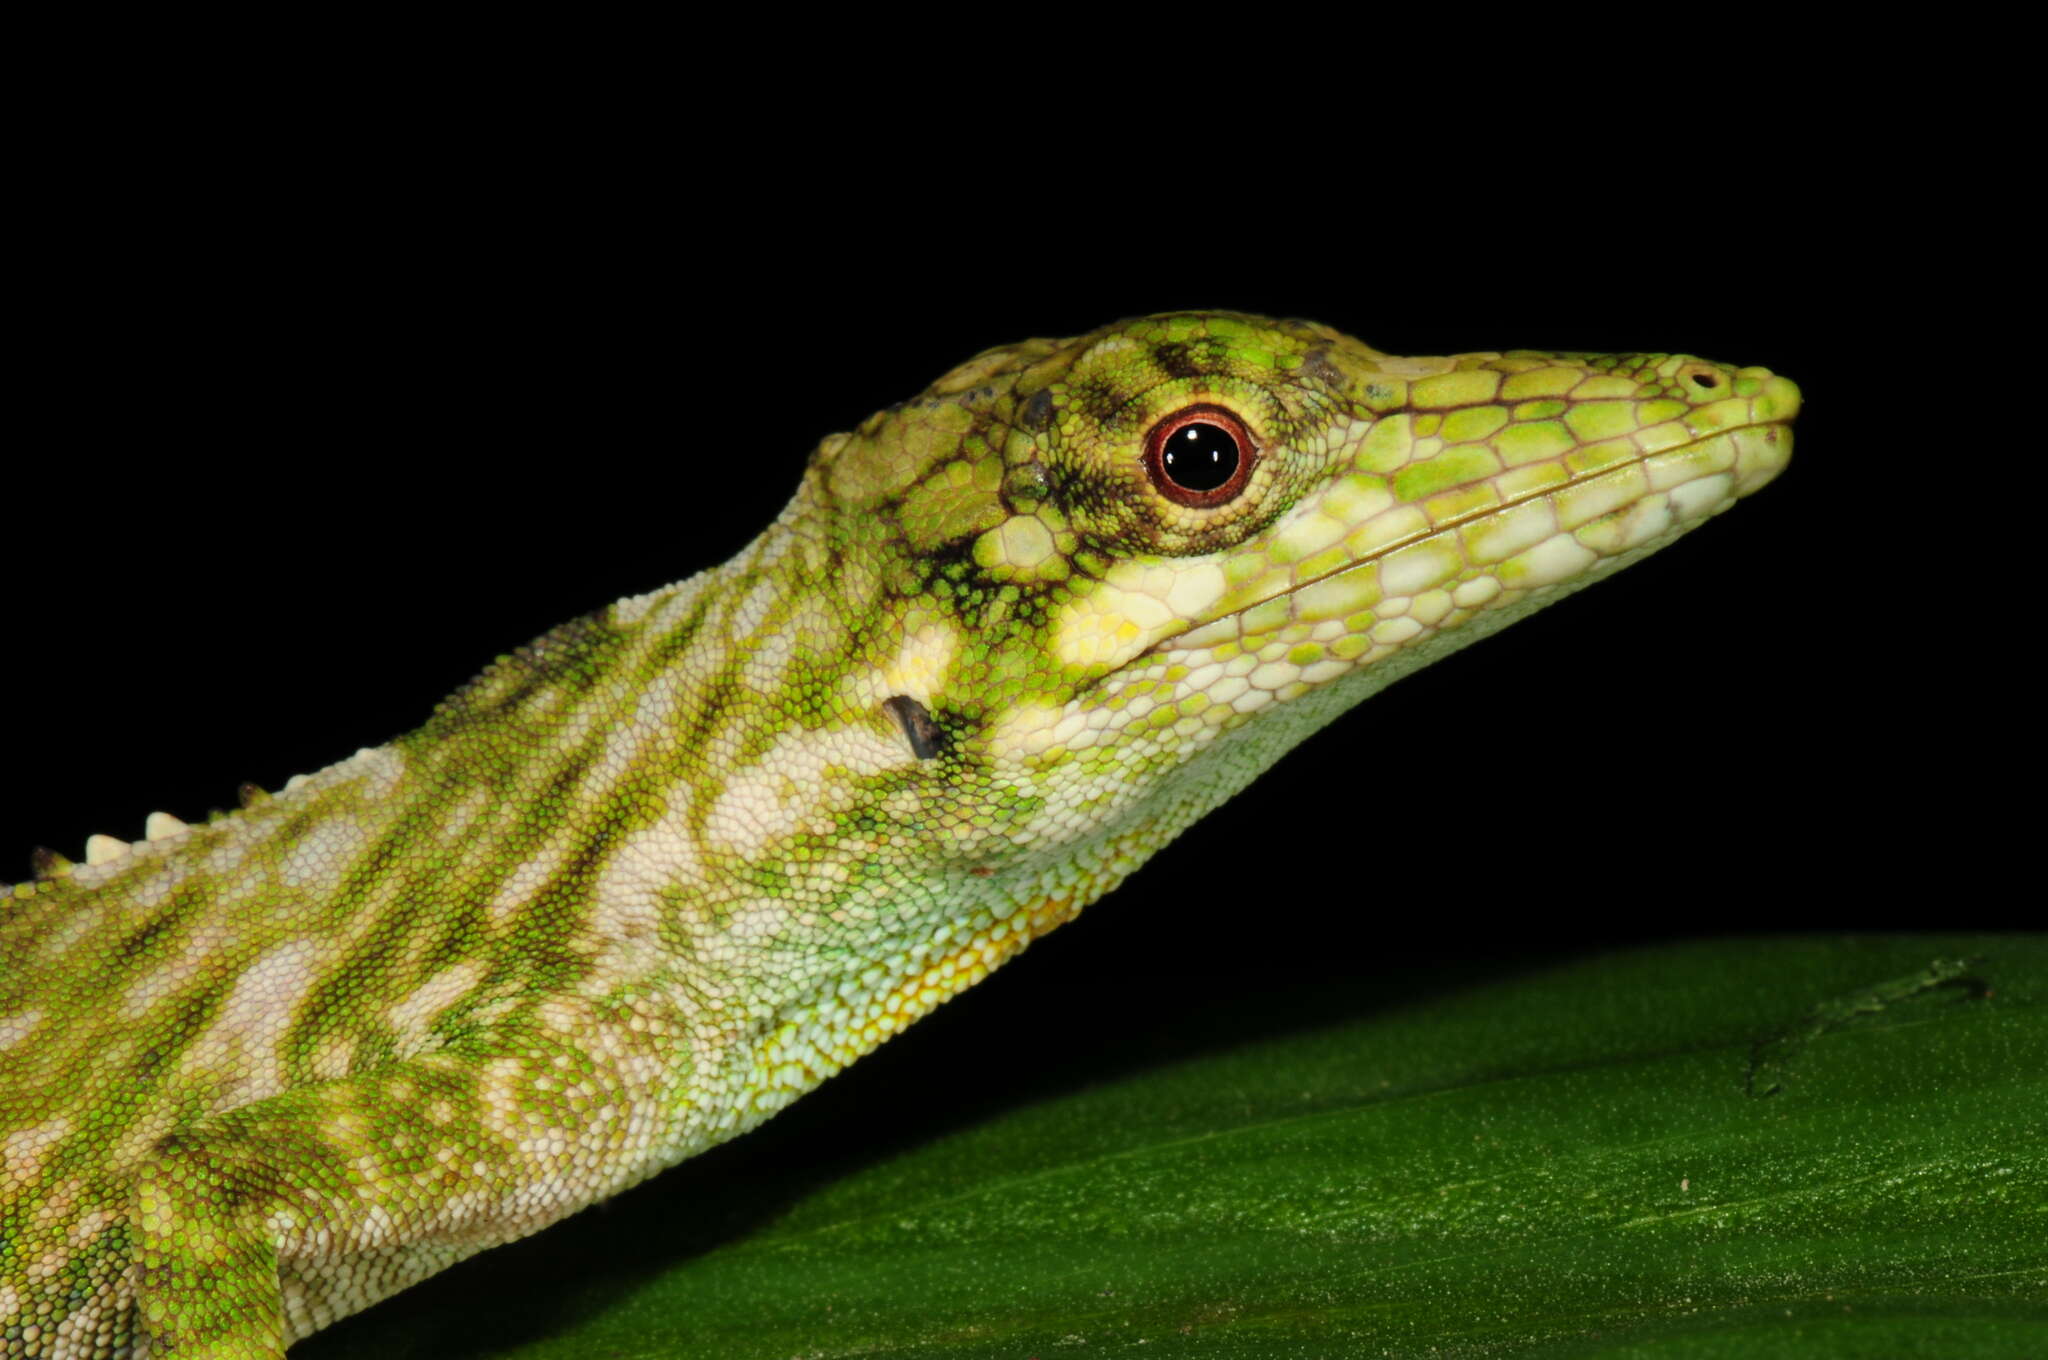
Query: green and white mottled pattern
[652,877]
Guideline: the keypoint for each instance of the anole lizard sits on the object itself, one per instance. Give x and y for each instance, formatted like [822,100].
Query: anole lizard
[652,877]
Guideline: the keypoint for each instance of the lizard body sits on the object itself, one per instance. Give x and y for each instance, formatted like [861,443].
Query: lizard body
[650,878]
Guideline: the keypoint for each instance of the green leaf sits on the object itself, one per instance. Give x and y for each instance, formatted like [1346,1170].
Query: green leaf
[1732,1148]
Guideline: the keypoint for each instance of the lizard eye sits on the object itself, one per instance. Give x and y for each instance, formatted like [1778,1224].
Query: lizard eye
[1200,456]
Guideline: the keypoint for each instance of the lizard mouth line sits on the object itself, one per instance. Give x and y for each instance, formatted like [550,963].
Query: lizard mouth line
[1455,522]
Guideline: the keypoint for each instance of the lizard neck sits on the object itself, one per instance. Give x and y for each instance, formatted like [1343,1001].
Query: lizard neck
[689,807]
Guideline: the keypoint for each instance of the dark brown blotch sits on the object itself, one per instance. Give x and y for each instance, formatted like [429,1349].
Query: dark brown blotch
[1181,358]
[1038,410]
[1316,365]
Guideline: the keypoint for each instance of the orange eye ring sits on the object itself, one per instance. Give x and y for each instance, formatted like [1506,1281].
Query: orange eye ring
[1200,456]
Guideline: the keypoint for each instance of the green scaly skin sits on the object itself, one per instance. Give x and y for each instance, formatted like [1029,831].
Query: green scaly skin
[649,879]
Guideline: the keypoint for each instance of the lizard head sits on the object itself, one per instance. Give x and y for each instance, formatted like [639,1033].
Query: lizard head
[1035,621]
[1122,574]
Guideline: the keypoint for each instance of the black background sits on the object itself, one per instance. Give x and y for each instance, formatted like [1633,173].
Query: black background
[315,422]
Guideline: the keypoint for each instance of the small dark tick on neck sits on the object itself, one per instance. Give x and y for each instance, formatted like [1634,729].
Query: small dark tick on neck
[926,740]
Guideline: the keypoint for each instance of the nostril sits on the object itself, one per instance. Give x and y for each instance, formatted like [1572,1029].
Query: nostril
[1703,377]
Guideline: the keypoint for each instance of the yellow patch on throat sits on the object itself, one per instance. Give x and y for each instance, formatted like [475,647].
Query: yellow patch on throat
[1135,606]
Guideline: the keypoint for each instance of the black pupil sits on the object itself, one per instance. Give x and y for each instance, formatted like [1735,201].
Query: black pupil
[1199,456]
